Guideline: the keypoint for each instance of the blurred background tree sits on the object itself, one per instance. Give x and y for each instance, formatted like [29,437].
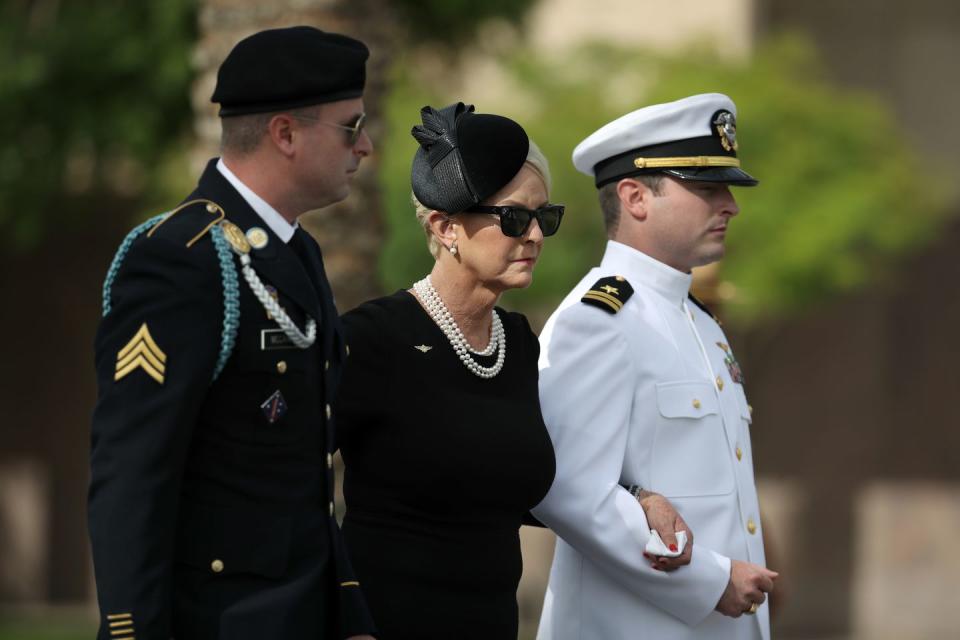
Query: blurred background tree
[841,193]
[94,101]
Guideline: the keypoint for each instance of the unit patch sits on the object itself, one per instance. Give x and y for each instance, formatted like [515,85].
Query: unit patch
[274,407]
[609,294]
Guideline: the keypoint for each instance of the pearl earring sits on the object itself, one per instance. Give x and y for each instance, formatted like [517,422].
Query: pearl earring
[453,248]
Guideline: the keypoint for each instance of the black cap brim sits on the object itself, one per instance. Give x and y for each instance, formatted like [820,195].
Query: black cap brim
[728,175]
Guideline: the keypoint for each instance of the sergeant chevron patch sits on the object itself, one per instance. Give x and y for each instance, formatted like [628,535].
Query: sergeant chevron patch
[141,353]
[609,294]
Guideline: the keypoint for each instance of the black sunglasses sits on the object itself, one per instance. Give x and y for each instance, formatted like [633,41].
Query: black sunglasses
[353,131]
[514,221]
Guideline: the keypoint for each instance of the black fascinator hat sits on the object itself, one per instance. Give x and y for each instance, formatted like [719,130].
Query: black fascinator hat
[464,157]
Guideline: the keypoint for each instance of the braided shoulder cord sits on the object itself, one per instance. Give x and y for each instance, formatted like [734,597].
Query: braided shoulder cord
[228,276]
[298,338]
[120,255]
[231,298]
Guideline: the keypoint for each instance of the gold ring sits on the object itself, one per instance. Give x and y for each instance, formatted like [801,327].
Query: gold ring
[753,609]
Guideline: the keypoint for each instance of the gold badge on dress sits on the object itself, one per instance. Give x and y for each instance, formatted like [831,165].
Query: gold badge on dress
[422,348]
[235,237]
[141,352]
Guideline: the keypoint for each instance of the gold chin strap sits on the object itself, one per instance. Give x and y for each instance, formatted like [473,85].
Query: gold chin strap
[685,161]
[212,207]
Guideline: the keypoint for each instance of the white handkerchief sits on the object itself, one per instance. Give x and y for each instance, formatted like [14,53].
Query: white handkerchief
[655,546]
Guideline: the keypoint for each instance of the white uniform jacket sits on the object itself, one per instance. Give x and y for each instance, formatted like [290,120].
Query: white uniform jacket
[644,396]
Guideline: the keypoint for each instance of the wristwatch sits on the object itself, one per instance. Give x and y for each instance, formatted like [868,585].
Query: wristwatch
[634,489]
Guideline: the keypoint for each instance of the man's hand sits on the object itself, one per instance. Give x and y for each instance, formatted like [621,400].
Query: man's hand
[664,519]
[748,586]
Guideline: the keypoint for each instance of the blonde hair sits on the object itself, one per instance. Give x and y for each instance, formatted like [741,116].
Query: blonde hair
[535,161]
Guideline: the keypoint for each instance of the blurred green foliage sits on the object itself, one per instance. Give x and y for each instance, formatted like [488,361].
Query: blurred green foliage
[94,105]
[841,190]
[450,21]
[48,624]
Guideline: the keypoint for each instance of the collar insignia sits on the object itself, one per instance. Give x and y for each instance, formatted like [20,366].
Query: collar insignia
[235,237]
[257,237]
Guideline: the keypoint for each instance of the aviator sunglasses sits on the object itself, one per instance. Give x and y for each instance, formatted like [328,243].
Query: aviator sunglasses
[353,130]
[514,221]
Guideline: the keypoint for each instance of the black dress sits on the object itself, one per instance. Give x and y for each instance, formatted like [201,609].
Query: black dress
[441,466]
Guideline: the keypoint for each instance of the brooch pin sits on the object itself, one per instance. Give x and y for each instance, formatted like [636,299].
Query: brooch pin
[422,348]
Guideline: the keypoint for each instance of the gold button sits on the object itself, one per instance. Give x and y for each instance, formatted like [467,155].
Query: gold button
[739,453]
[216,566]
[328,412]
[719,383]
[329,461]
[212,208]
[282,366]
[326,365]
[696,403]
[619,278]
[331,507]
[751,526]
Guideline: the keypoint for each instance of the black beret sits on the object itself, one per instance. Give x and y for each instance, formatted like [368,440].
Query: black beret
[280,69]
[464,157]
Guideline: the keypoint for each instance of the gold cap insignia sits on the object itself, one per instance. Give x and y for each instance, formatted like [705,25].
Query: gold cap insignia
[143,353]
[726,126]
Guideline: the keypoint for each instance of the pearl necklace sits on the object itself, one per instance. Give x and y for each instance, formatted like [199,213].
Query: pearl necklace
[441,316]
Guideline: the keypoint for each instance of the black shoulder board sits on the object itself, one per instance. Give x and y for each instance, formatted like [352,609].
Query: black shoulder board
[609,294]
[703,307]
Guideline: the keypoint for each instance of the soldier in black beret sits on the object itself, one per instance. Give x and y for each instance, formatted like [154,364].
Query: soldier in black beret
[219,352]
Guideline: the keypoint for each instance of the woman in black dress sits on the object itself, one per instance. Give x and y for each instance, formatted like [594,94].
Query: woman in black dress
[439,423]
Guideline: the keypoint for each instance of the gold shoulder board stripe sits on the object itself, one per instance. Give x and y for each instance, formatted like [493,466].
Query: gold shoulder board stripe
[609,294]
[143,353]
[118,616]
[600,296]
[351,583]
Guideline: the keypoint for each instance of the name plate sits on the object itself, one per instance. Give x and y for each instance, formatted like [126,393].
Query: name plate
[272,339]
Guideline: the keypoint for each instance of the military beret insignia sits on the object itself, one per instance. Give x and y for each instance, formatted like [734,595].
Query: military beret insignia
[609,294]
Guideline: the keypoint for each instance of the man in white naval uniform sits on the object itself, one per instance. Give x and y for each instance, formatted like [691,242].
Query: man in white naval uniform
[640,389]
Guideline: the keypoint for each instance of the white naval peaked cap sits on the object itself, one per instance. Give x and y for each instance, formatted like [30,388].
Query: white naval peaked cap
[692,139]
